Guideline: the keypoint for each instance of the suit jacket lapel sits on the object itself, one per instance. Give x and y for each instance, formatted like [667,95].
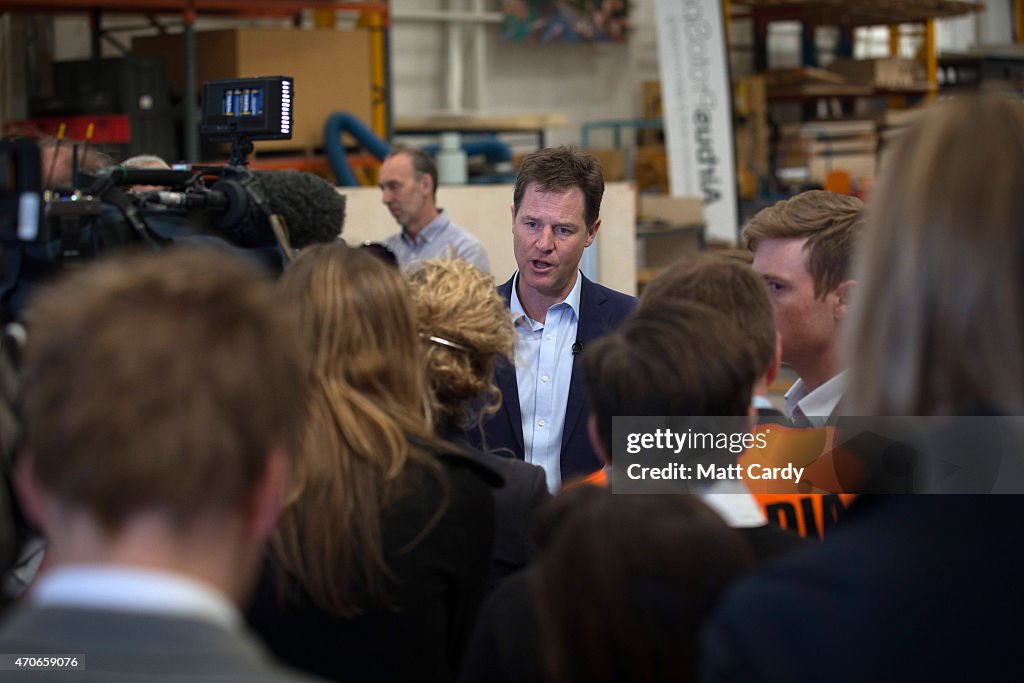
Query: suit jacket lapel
[505,378]
[591,325]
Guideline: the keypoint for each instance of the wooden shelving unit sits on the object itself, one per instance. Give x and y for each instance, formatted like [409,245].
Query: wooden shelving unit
[278,8]
[901,16]
[858,13]
[374,16]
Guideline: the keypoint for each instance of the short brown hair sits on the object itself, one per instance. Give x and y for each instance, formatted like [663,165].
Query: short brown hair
[558,169]
[160,381]
[421,163]
[680,358]
[726,284]
[625,583]
[830,222]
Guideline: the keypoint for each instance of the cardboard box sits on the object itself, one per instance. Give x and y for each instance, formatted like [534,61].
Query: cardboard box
[331,70]
[881,72]
[651,169]
[651,110]
[858,166]
[656,250]
[613,162]
[676,211]
[668,228]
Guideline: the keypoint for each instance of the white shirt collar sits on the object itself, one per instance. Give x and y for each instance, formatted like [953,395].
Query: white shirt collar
[734,503]
[818,405]
[573,300]
[730,499]
[133,589]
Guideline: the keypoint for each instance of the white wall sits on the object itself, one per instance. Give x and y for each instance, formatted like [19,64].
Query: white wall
[583,82]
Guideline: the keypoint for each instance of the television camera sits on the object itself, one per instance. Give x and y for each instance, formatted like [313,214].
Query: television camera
[44,229]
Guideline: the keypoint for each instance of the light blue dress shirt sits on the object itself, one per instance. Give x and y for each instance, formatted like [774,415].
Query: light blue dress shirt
[543,361]
[134,589]
[440,239]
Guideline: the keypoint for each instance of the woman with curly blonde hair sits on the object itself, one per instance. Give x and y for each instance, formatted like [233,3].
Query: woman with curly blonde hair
[465,326]
[381,553]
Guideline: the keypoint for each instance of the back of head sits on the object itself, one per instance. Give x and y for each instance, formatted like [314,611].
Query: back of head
[367,421]
[559,169]
[726,284]
[464,326]
[358,324]
[625,582]
[160,382]
[831,223]
[145,161]
[938,325]
[59,156]
[680,358]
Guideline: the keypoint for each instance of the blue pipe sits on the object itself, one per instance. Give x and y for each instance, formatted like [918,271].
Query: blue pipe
[494,151]
[343,122]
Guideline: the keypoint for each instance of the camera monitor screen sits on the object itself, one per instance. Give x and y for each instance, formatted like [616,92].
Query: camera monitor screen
[254,108]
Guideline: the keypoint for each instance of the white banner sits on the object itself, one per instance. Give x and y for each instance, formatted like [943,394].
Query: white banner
[696,102]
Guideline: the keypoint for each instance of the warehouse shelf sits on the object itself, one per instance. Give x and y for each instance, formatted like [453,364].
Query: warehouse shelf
[374,17]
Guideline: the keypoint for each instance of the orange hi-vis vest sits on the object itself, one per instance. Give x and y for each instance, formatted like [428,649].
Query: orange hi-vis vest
[818,502]
[598,478]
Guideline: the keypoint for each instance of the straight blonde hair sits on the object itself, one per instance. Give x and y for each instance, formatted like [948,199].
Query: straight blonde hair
[937,327]
[367,422]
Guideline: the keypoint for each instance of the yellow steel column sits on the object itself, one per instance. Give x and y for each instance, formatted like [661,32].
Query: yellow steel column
[375,21]
[725,23]
[323,17]
[931,59]
[895,101]
[1018,21]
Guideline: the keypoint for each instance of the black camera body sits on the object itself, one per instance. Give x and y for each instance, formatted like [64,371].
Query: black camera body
[43,231]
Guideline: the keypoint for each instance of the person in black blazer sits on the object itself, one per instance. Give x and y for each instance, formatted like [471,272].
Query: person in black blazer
[557,310]
[380,559]
[464,326]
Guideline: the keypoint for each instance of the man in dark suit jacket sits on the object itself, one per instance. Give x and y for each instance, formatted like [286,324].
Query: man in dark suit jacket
[558,311]
[943,567]
[163,394]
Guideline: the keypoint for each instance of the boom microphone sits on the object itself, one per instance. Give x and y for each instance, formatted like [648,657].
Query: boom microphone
[310,206]
[313,210]
[210,199]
